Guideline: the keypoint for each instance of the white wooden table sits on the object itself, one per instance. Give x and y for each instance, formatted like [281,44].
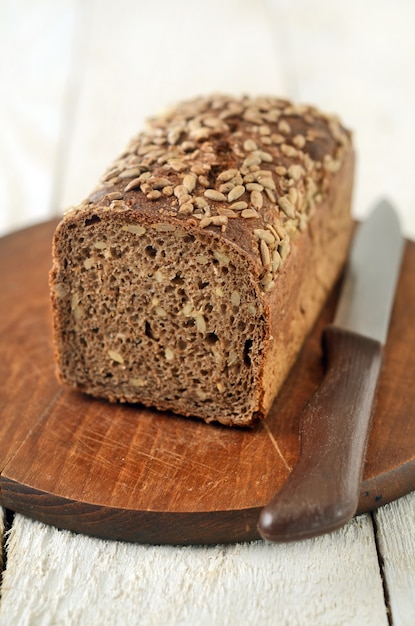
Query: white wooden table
[77,79]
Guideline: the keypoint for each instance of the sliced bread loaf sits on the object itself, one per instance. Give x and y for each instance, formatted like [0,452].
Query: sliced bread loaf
[190,277]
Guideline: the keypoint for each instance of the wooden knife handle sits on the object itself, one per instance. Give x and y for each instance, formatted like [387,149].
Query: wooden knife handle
[322,492]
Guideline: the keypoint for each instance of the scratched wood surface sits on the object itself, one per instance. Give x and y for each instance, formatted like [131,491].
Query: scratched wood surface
[71,70]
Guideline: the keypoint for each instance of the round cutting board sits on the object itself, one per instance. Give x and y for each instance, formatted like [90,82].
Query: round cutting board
[129,473]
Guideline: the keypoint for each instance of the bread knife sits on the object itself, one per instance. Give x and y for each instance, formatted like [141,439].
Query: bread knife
[322,492]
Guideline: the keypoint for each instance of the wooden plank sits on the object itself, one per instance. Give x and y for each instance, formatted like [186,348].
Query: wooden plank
[36,50]
[395,525]
[59,577]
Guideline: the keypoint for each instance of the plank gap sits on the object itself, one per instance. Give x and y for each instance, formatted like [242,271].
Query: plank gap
[6,522]
[2,538]
[381,563]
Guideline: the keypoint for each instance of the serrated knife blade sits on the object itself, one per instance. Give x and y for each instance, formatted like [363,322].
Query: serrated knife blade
[368,289]
[322,492]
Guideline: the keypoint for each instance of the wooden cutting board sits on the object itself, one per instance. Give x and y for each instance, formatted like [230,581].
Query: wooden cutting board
[129,473]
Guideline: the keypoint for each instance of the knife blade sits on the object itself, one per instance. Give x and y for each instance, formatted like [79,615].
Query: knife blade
[322,492]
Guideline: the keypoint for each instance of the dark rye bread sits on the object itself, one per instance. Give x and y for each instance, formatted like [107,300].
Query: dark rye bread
[191,276]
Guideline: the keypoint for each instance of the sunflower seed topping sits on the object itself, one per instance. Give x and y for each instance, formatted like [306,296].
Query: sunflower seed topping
[216,159]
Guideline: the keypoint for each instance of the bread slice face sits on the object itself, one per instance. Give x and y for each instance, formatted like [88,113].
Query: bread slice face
[155,313]
[190,277]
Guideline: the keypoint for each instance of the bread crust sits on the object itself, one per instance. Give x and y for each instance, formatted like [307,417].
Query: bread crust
[261,182]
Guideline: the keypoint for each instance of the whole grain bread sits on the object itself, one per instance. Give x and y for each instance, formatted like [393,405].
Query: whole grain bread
[189,279]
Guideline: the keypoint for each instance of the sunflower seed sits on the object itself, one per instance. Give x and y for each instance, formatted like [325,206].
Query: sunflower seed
[276,261]
[154,195]
[269,286]
[284,249]
[299,141]
[115,356]
[266,280]
[252,159]
[184,198]
[265,255]
[250,145]
[201,203]
[133,184]
[221,257]
[200,323]
[212,194]
[264,235]
[239,206]
[265,156]
[254,187]
[264,130]
[293,196]
[186,209]
[132,228]
[266,181]
[227,175]
[257,199]
[180,190]
[296,172]
[177,165]
[198,169]
[130,173]
[249,213]
[189,181]
[271,195]
[158,182]
[214,220]
[236,193]
[203,181]
[286,206]
[235,298]
[284,127]
[226,187]
[114,195]
[289,151]
[281,170]
[227,212]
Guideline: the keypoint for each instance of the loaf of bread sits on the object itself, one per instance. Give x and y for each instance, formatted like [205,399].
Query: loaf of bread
[189,279]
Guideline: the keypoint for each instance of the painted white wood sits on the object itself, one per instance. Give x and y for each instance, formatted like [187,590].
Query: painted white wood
[395,532]
[36,47]
[100,56]
[357,59]
[138,64]
[57,577]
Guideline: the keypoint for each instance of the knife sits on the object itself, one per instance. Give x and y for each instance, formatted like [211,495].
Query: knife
[322,492]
